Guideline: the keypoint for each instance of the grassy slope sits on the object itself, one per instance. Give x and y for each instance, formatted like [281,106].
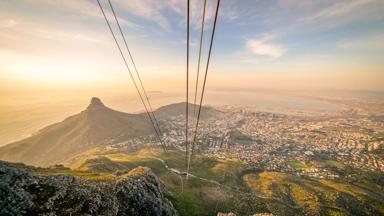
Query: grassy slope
[325,196]
[297,165]
[199,197]
[196,197]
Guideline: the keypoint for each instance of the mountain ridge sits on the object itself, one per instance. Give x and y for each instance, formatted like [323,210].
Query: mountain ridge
[90,128]
[95,126]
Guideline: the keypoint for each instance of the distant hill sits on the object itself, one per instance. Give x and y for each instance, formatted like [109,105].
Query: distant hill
[178,109]
[97,125]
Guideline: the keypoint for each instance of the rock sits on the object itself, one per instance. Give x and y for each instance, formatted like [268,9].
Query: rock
[59,166]
[95,102]
[233,214]
[226,214]
[139,192]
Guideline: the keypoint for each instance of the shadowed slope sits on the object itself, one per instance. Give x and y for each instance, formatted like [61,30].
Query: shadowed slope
[97,125]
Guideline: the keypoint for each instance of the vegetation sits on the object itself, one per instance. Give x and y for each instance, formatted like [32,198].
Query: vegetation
[240,137]
[298,165]
[313,196]
[242,190]
[335,164]
[380,134]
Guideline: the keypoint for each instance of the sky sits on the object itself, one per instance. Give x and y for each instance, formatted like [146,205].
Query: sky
[65,46]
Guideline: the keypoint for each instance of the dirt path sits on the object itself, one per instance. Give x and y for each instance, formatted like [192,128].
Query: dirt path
[178,172]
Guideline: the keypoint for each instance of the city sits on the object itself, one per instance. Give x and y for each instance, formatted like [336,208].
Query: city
[320,146]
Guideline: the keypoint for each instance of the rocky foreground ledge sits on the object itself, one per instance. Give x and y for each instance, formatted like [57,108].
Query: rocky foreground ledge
[137,192]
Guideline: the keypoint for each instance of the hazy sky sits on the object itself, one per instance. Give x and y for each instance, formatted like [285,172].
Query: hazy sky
[65,45]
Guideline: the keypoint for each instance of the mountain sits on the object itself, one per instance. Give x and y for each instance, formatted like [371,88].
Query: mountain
[35,191]
[178,109]
[95,126]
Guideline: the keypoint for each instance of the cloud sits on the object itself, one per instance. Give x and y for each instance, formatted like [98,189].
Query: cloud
[166,12]
[295,3]
[337,9]
[83,7]
[27,36]
[228,11]
[192,42]
[150,10]
[23,28]
[370,42]
[8,23]
[264,46]
[64,35]
[160,13]
[163,13]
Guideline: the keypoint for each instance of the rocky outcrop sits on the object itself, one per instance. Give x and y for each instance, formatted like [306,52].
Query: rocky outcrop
[137,192]
[226,214]
[95,103]
[233,214]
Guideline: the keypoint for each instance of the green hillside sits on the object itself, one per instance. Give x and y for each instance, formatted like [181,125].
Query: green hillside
[225,188]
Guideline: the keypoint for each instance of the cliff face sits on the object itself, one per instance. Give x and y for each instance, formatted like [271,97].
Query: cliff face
[137,192]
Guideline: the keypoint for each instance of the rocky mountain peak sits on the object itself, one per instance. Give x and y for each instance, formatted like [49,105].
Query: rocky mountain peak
[95,102]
